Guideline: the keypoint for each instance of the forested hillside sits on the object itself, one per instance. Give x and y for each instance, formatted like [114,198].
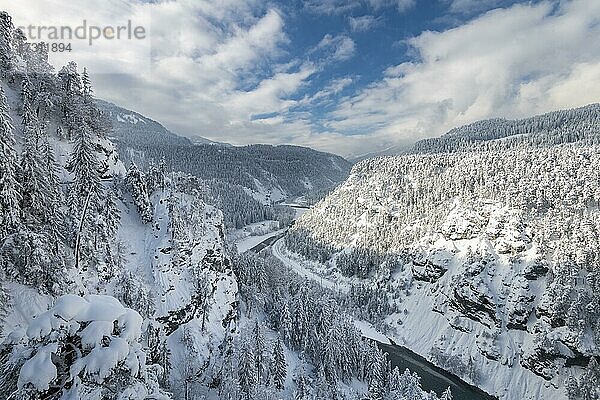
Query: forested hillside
[481,253]
[116,282]
[564,126]
[130,128]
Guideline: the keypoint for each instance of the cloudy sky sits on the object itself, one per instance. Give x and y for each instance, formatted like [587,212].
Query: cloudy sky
[347,76]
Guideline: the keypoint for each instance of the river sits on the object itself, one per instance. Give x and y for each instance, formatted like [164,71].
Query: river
[432,377]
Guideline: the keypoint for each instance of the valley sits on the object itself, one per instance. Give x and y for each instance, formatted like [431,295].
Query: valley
[237,262]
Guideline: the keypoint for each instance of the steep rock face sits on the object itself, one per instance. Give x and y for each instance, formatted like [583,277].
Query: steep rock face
[182,259]
[483,248]
[428,270]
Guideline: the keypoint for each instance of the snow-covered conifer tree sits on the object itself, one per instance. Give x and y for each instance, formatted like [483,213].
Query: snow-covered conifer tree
[9,186]
[71,100]
[83,347]
[447,395]
[247,374]
[32,175]
[6,47]
[278,365]
[258,339]
[139,192]
[302,391]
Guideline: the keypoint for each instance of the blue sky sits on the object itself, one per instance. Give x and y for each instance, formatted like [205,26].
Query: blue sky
[347,76]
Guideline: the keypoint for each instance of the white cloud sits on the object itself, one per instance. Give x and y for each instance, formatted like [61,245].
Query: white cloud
[512,63]
[220,70]
[330,6]
[470,7]
[405,5]
[267,97]
[333,88]
[341,47]
[344,6]
[401,5]
[214,65]
[363,23]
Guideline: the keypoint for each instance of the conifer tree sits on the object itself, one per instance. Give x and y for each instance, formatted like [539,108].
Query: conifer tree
[572,387]
[589,382]
[323,388]
[85,192]
[139,192]
[84,165]
[71,101]
[9,186]
[285,323]
[447,395]
[86,83]
[54,196]
[229,389]
[111,214]
[279,365]
[247,372]
[32,175]
[6,48]
[4,303]
[259,351]
[376,375]
[302,390]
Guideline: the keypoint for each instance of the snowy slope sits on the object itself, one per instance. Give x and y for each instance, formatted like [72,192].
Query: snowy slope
[184,240]
[132,127]
[473,245]
[175,273]
[110,163]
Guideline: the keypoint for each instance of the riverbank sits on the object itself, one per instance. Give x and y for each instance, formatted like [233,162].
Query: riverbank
[433,378]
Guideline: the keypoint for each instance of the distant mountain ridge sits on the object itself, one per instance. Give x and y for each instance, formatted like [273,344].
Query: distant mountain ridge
[269,173]
[246,182]
[131,127]
[548,127]
[562,126]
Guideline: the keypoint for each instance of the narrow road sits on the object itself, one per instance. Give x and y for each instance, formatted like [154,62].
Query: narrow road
[300,209]
[267,242]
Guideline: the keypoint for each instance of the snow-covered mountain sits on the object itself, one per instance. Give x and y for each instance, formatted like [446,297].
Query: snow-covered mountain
[116,282]
[563,126]
[245,182]
[484,259]
[268,173]
[130,128]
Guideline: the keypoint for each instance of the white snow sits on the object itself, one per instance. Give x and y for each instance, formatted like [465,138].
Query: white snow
[130,118]
[249,236]
[249,242]
[426,322]
[369,331]
[103,313]
[39,369]
[153,258]
[266,195]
